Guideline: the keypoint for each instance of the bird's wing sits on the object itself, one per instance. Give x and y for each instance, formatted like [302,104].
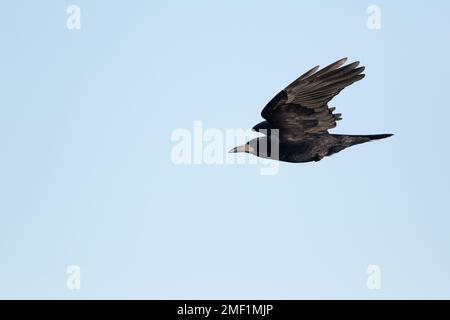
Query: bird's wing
[302,105]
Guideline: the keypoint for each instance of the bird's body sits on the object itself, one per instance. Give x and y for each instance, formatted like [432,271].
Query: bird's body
[313,147]
[298,118]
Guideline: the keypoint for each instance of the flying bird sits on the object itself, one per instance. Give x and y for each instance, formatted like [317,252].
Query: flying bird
[302,117]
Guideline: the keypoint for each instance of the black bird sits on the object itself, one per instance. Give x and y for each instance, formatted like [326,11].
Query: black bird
[301,114]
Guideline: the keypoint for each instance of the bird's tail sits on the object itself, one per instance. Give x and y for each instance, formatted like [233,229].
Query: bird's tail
[377,136]
[351,140]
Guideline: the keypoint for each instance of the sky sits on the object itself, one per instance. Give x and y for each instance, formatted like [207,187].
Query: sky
[88,183]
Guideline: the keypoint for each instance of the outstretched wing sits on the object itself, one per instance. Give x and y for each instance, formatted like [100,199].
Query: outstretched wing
[302,106]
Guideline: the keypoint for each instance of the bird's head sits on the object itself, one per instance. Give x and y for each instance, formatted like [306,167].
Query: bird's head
[259,147]
[247,148]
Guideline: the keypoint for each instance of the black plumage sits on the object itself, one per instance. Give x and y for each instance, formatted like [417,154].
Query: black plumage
[301,115]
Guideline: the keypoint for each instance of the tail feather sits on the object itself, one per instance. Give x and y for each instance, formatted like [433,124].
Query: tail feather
[351,140]
[378,136]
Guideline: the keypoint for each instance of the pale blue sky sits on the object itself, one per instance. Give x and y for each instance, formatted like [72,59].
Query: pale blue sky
[86,176]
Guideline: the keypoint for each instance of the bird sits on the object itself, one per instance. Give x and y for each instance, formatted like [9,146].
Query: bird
[298,118]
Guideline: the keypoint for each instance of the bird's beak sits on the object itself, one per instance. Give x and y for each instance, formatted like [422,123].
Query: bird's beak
[243,148]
